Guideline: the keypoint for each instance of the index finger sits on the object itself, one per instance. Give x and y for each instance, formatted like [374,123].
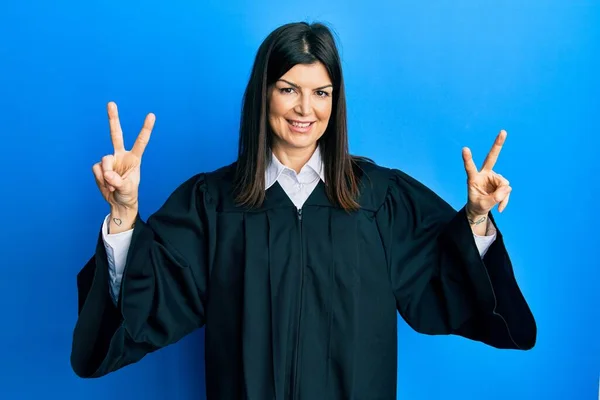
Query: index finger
[142,140]
[470,167]
[492,156]
[116,133]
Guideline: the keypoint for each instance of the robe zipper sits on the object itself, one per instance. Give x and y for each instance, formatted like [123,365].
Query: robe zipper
[295,392]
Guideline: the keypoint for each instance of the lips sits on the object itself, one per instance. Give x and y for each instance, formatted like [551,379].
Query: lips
[300,126]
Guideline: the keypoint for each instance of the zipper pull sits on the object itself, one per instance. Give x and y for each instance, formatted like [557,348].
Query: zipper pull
[300,214]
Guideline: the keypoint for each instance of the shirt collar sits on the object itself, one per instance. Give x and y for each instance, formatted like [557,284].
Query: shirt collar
[275,168]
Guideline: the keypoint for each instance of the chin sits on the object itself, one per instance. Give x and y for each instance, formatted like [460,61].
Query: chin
[300,140]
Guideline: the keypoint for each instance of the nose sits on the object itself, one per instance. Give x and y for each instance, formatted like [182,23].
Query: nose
[304,106]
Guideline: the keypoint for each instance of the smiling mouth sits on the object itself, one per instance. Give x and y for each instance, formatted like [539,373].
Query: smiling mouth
[300,125]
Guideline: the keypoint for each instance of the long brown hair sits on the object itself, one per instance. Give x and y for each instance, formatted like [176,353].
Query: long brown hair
[289,45]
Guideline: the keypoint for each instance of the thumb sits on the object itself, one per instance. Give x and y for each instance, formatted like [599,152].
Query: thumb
[113,179]
[501,193]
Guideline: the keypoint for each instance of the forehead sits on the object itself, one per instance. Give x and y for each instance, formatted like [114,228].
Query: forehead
[311,75]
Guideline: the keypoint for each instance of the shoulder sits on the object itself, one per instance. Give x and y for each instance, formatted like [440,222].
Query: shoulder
[220,185]
[374,182]
[380,183]
[213,186]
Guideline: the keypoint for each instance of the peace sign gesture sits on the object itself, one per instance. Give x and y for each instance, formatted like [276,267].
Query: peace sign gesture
[486,188]
[118,174]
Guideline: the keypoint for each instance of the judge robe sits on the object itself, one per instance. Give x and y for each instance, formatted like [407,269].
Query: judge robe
[298,304]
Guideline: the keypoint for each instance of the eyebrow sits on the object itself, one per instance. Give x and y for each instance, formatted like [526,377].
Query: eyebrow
[298,87]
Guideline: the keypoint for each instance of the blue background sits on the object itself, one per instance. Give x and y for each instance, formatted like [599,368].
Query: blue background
[423,80]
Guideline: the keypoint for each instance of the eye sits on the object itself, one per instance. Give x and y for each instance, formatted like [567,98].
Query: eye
[287,90]
[322,93]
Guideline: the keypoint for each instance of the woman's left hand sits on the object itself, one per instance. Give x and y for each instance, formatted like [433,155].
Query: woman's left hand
[486,188]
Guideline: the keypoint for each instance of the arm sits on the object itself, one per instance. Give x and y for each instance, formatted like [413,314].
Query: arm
[441,283]
[163,288]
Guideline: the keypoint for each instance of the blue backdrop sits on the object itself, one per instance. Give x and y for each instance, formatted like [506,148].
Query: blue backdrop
[423,80]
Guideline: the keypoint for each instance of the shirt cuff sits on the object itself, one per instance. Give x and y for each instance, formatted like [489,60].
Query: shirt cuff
[484,242]
[117,247]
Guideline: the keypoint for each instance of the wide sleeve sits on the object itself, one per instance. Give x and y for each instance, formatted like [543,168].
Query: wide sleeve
[163,290]
[440,282]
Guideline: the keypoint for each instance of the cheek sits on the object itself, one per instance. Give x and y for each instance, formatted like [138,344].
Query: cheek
[323,111]
[277,111]
[278,107]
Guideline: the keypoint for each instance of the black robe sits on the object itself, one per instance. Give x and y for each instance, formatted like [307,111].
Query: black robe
[298,304]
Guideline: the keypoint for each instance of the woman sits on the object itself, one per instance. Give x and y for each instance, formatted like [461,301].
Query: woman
[297,257]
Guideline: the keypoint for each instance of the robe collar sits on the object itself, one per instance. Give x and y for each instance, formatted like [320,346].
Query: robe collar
[313,167]
[276,196]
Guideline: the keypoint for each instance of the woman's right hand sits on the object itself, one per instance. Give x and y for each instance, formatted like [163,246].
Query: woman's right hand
[118,175]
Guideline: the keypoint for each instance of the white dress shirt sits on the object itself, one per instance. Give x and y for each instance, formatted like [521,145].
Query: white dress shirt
[298,186]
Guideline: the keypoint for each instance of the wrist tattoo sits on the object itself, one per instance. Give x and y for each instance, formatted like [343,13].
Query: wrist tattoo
[477,222]
[119,221]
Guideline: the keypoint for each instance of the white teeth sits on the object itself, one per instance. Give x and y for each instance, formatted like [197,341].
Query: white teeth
[299,125]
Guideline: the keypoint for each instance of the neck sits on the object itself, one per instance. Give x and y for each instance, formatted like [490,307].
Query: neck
[294,158]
